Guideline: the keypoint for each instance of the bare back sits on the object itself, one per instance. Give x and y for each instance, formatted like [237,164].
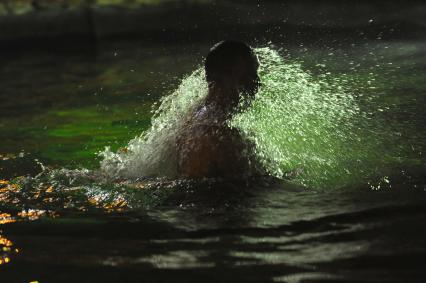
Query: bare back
[208,147]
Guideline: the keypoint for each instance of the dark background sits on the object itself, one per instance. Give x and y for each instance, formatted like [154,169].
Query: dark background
[27,24]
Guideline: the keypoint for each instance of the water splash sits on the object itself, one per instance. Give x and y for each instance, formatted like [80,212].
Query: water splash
[318,131]
[153,153]
[310,129]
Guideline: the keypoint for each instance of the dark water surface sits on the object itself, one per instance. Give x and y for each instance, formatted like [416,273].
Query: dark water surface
[62,109]
[272,235]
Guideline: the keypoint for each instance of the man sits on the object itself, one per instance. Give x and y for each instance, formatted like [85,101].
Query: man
[207,146]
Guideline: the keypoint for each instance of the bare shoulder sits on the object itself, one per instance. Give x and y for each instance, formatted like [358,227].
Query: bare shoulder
[209,149]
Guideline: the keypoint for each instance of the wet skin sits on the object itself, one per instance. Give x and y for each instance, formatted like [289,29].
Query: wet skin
[207,146]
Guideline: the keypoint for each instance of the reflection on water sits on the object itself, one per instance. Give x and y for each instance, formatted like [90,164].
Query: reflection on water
[7,250]
[6,218]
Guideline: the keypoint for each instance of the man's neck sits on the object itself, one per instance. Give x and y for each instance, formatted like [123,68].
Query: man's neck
[224,96]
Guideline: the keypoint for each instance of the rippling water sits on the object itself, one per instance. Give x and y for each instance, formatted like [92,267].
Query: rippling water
[343,125]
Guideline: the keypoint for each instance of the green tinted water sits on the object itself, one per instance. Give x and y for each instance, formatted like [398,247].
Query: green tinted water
[64,108]
[326,130]
[362,102]
[329,117]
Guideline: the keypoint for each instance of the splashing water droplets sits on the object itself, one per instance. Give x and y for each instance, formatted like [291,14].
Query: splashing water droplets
[306,127]
[153,153]
[300,124]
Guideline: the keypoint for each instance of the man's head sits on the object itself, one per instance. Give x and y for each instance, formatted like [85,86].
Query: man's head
[233,64]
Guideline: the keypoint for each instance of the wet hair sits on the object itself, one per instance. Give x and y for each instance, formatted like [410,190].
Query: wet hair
[224,55]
